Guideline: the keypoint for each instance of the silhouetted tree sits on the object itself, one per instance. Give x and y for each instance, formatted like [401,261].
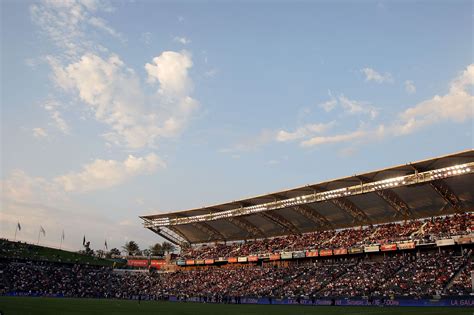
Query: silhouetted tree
[132,248]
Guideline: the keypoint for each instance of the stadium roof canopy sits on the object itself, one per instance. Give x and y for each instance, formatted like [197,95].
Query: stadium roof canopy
[432,187]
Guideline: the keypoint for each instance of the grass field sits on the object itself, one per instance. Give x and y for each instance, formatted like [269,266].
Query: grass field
[39,306]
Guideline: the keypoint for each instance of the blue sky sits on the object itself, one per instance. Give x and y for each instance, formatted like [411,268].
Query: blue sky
[111,110]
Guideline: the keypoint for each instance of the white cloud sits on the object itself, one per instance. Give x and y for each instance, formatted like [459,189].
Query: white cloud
[102,24]
[52,106]
[372,75]
[34,200]
[354,107]
[170,69]
[410,87]
[329,105]
[110,90]
[65,24]
[102,174]
[39,133]
[114,94]
[456,106]
[349,106]
[303,132]
[182,40]
[351,136]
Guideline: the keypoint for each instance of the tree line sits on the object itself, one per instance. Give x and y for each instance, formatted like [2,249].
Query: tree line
[130,248]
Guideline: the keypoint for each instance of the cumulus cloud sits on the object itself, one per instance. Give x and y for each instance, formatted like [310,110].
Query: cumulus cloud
[410,87]
[329,105]
[36,200]
[303,132]
[354,107]
[102,174]
[102,24]
[53,106]
[349,106]
[66,23]
[456,106]
[39,133]
[372,75]
[115,95]
[99,174]
[113,92]
[170,69]
[351,136]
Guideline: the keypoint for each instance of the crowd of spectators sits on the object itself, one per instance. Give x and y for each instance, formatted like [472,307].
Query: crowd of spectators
[462,284]
[427,274]
[414,230]
[409,274]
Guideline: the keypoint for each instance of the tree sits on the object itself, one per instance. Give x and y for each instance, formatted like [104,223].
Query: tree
[168,247]
[131,248]
[146,252]
[114,252]
[156,250]
[100,253]
[87,249]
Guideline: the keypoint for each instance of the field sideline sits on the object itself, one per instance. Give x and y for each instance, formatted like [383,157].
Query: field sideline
[39,306]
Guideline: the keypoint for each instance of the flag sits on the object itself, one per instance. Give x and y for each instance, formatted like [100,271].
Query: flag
[105,244]
[42,231]
[84,241]
[62,236]
[18,226]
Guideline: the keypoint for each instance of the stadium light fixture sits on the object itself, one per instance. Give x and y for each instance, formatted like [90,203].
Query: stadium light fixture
[411,179]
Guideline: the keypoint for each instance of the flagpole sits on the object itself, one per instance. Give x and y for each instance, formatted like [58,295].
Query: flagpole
[61,244]
[39,233]
[16,229]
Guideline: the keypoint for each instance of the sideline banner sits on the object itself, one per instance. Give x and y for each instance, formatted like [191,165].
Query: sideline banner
[356,250]
[274,256]
[286,255]
[137,262]
[445,242]
[371,249]
[445,302]
[312,253]
[340,251]
[325,252]
[409,245]
[387,247]
[299,254]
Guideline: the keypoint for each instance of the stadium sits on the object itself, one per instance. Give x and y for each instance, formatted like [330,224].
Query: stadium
[236,157]
[394,238]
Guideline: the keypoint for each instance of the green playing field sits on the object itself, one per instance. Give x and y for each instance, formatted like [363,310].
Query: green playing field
[38,306]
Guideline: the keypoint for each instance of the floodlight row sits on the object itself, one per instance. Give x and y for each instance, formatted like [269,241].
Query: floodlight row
[417,177]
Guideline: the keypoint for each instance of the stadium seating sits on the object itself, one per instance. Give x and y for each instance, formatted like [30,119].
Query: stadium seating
[411,274]
[415,230]
[426,271]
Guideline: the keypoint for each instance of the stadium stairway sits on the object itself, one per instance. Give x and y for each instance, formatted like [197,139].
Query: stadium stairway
[337,276]
[459,272]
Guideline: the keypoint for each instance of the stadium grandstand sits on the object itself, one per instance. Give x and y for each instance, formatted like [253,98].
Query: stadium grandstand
[433,187]
[400,236]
